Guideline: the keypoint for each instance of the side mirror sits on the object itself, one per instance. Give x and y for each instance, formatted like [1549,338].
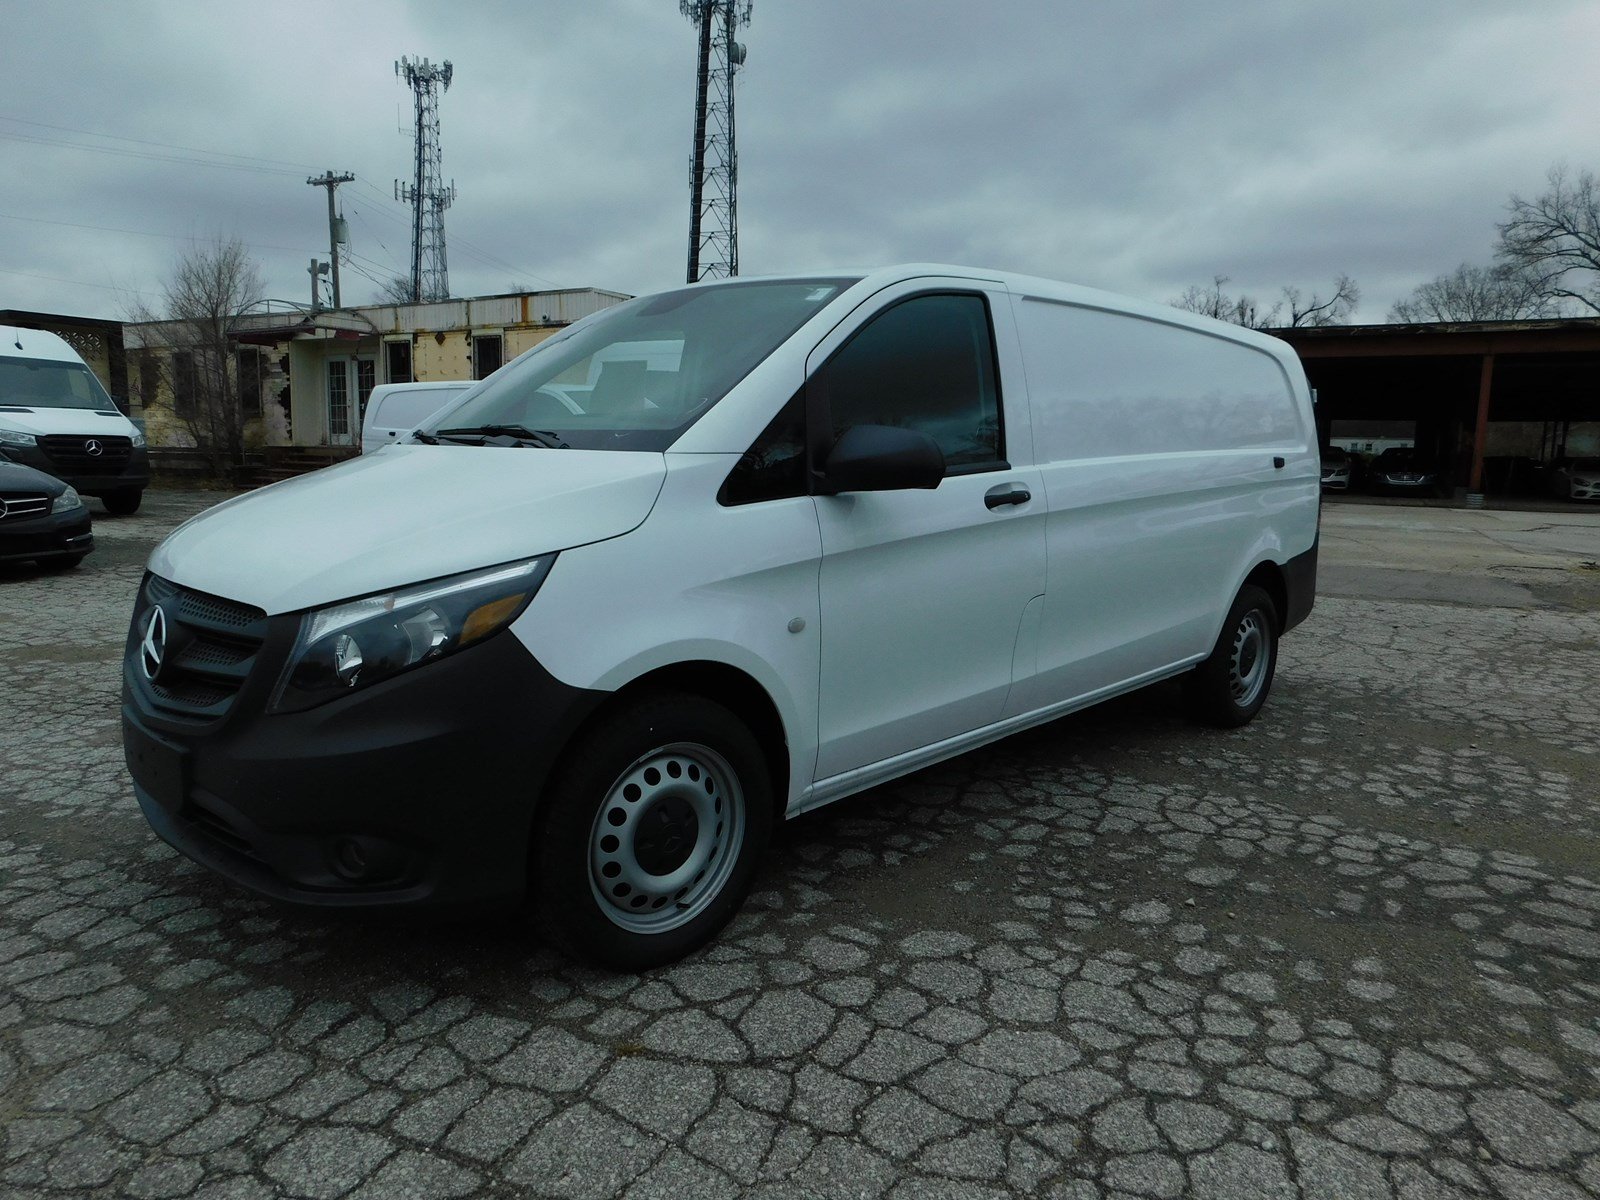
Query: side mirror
[883,458]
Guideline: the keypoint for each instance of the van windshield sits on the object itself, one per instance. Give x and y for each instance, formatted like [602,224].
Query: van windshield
[41,383]
[634,377]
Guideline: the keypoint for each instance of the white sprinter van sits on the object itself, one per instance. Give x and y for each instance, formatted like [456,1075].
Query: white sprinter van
[55,416]
[856,525]
[395,409]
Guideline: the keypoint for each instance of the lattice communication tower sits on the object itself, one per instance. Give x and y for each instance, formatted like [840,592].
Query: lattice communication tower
[427,193]
[714,184]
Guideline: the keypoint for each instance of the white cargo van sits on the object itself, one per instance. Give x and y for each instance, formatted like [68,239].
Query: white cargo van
[851,526]
[55,416]
[395,409]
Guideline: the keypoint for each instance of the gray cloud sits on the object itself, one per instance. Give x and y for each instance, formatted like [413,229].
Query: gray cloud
[1142,146]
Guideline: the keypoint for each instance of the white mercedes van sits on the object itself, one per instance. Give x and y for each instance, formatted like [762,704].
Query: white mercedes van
[395,409]
[55,416]
[592,632]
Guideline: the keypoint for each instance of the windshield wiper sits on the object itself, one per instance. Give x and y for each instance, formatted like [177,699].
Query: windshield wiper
[418,436]
[538,437]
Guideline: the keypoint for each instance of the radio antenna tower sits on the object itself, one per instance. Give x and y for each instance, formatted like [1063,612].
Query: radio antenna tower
[427,193]
[714,185]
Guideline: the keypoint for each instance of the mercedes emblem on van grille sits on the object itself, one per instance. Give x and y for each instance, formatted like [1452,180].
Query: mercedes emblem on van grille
[93,448]
[153,647]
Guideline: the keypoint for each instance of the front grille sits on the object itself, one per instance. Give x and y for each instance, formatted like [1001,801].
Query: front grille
[210,649]
[21,506]
[71,451]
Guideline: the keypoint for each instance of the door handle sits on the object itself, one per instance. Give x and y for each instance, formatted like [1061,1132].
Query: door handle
[1006,493]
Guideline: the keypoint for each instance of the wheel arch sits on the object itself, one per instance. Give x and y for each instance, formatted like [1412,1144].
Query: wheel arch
[727,685]
[1268,576]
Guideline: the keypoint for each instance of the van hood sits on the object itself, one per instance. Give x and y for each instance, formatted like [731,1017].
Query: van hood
[87,421]
[409,514]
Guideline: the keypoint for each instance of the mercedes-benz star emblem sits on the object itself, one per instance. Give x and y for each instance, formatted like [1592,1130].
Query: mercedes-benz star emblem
[93,448]
[153,648]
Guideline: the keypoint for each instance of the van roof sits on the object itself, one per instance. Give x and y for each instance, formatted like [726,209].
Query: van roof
[16,342]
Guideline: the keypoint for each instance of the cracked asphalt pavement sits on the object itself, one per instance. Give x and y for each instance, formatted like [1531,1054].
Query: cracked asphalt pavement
[1352,950]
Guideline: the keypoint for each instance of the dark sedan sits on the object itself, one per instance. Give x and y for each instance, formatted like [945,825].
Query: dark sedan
[41,518]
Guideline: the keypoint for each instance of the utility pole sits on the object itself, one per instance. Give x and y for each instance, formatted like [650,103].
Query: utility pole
[316,270]
[338,232]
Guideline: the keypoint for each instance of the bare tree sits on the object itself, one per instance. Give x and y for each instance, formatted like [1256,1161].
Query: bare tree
[1314,310]
[210,285]
[1244,310]
[1503,292]
[1219,305]
[396,291]
[1556,239]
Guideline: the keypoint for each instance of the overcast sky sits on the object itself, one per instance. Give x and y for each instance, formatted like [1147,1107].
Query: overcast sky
[1136,145]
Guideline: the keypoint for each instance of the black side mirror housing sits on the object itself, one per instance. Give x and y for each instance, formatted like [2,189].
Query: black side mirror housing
[882,458]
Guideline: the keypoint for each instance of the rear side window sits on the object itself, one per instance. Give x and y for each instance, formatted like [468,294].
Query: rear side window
[928,363]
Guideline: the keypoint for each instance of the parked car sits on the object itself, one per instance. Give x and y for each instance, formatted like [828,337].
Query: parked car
[395,409]
[1575,478]
[835,536]
[1337,467]
[1406,471]
[41,518]
[55,416]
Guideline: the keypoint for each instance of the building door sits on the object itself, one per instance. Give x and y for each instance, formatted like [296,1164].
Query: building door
[350,382]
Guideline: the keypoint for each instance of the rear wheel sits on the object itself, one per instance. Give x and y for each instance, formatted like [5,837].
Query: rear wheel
[123,503]
[652,832]
[1229,687]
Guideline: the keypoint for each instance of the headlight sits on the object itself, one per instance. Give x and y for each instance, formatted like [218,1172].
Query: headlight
[138,439]
[361,642]
[67,501]
[15,437]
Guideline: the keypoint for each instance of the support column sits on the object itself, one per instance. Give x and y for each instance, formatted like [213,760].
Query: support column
[1480,432]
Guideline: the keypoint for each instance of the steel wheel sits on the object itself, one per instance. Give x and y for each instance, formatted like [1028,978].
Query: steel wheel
[1247,664]
[1231,685]
[666,838]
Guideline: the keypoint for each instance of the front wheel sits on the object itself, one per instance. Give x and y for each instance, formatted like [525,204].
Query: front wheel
[123,503]
[1229,687]
[651,832]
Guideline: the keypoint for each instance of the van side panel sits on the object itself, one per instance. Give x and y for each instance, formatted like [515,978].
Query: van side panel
[1157,444]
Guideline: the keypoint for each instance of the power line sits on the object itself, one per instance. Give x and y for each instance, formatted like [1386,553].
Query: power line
[105,287]
[176,237]
[146,155]
[117,137]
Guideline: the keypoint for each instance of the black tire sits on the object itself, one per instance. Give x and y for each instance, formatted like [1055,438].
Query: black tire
[124,503]
[64,562]
[612,881]
[1228,689]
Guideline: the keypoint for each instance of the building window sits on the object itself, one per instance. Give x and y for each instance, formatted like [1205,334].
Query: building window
[251,368]
[366,379]
[397,362]
[487,352]
[184,383]
[149,379]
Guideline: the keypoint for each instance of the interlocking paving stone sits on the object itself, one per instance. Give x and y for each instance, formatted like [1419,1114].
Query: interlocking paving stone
[1347,951]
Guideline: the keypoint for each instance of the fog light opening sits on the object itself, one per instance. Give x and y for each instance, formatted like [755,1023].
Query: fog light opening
[350,859]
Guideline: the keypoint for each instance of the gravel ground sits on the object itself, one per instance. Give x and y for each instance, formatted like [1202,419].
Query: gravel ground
[1352,950]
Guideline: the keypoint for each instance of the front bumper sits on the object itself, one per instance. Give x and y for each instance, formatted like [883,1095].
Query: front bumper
[131,475]
[416,792]
[54,535]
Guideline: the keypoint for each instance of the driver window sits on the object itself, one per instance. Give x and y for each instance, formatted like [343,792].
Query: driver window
[928,363]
